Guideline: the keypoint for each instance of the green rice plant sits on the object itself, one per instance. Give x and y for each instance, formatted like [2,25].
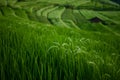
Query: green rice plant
[32,16]
[69,18]
[3,2]
[78,2]
[26,3]
[43,20]
[21,13]
[105,18]
[79,18]
[32,50]
[68,14]
[91,14]
[87,14]
[42,17]
[44,14]
[39,12]
[111,14]
[71,24]
[7,11]
[56,19]
[11,2]
[47,11]
[98,27]
[57,11]
[110,30]
[0,13]
[60,61]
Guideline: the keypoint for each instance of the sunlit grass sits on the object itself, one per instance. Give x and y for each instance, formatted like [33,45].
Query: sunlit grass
[49,53]
[38,41]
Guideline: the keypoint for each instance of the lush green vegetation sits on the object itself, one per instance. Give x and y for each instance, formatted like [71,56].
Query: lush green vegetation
[55,40]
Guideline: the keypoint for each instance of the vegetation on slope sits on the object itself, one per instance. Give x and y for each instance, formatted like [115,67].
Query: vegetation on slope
[34,51]
[31,50]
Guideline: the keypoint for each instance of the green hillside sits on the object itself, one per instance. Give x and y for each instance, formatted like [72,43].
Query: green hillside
[59,40]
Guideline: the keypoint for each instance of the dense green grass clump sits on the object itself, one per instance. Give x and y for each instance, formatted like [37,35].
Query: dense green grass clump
[33,51]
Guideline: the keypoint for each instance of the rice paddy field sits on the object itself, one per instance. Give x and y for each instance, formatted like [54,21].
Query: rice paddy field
[59,40]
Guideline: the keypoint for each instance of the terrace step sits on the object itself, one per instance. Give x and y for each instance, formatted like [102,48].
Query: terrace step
[109,29]
[68,14]
[71,23]
[56,13]
[41,16]
[39,12]
[88,14]
[78,18]
[111,15]
[47,11]
[55,17]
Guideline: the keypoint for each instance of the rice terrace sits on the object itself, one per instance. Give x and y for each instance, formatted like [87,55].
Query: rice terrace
[59,39]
